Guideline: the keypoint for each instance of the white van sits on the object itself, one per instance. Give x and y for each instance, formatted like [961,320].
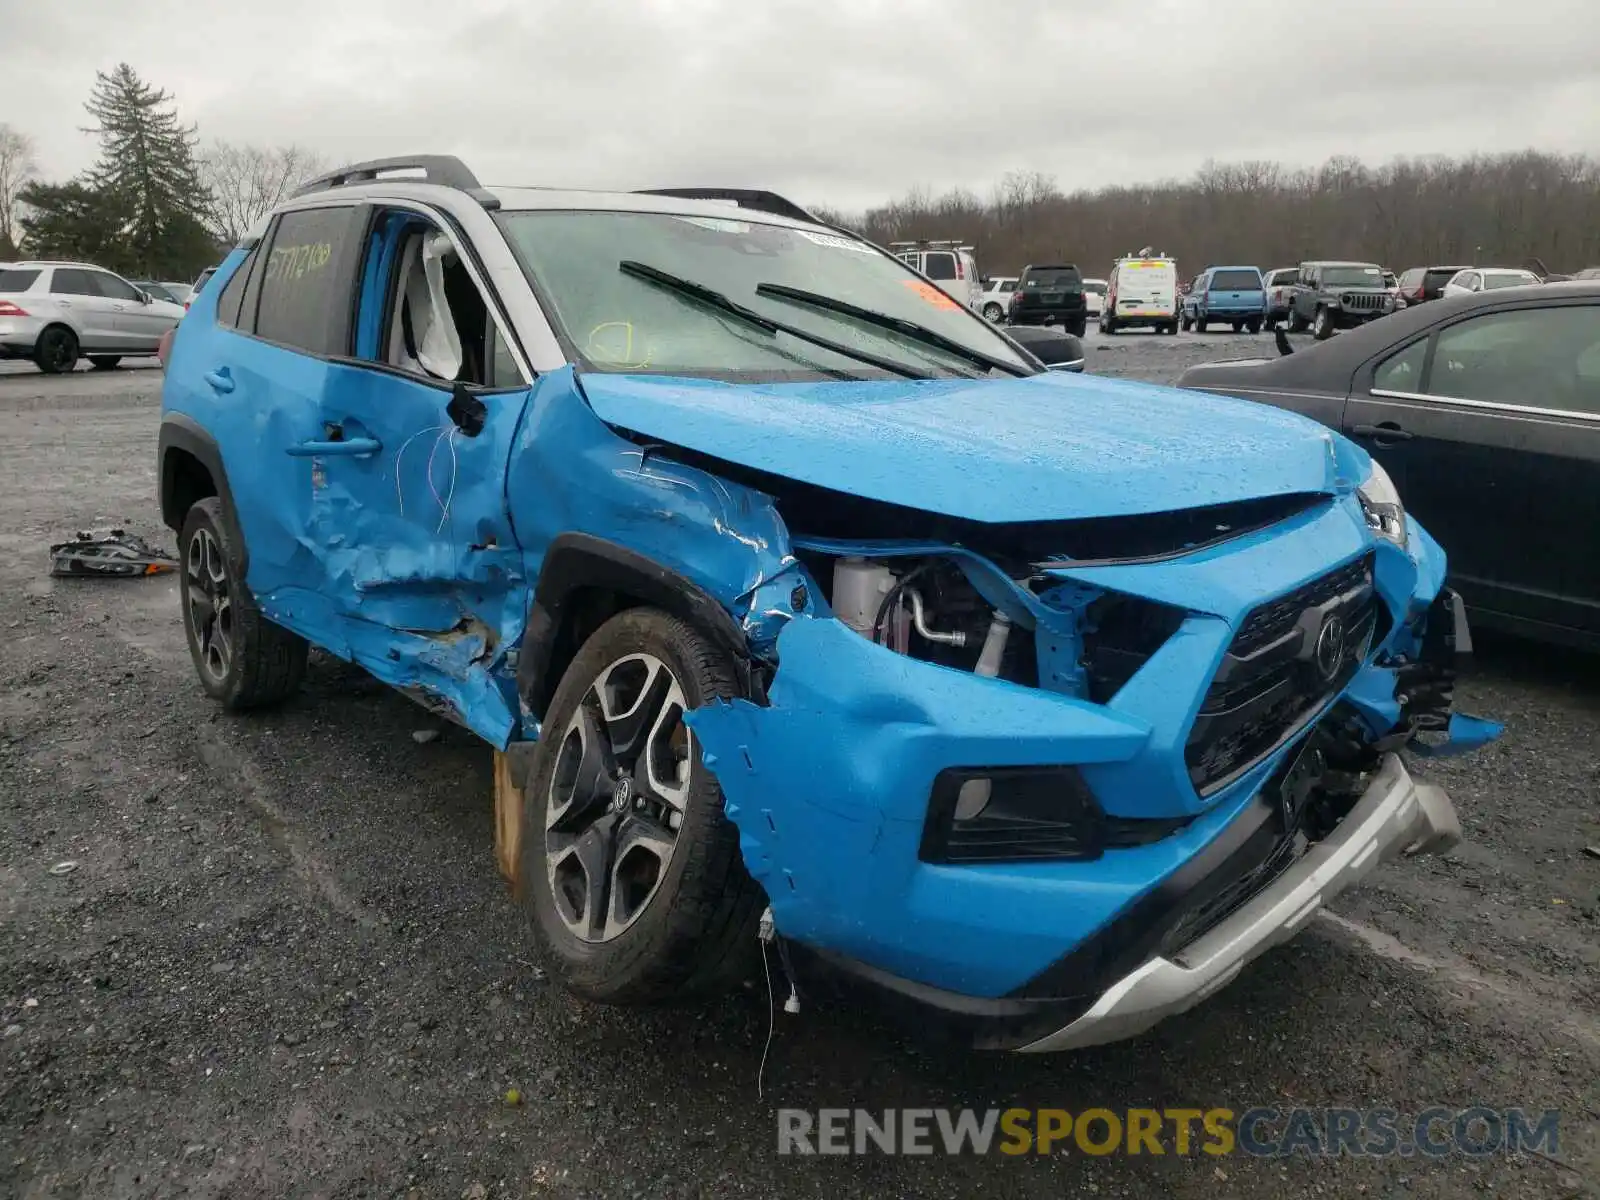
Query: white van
[951,265]
[1141,291]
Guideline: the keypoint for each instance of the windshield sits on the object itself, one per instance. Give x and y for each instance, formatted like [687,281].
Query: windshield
[1352,277]
[617,321]
[1235,281]
[1490,282]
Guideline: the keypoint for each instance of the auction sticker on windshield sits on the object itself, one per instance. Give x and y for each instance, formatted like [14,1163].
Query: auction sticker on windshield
[838,243]
[931,294]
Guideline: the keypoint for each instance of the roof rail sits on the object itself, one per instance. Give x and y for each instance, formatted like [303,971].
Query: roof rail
[752,198]
[443,170]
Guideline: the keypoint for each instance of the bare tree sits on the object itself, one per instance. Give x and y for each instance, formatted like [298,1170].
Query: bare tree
[247,182]
[1503,208]
[17,166]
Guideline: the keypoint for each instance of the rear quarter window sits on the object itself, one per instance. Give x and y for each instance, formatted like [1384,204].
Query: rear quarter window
[307,281]
[15,279]
[939,266]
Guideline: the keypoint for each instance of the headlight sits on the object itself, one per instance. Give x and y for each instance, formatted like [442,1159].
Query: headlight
[1381,504]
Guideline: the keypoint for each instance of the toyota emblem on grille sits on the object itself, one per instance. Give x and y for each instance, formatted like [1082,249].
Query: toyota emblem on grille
[1328,652]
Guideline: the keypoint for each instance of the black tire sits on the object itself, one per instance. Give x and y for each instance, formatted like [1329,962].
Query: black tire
[993,313]
[1200,324]
[1238,326]
[242,658]
[56,351]
[1108,327]
[1297,323]
[104,362]
[1079,327]
[694,932]
[1185,322]
[1172,329]
[1253,326]
[1322,325]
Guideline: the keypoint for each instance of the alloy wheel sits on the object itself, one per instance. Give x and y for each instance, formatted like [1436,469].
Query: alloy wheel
[210,604]
[617,797]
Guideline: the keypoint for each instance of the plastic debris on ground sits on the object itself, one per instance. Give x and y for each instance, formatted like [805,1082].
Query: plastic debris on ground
[116,553]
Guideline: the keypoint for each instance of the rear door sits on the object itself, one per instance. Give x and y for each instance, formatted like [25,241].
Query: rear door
[1148,288]
[81,300]
[1496,450]
[941,267]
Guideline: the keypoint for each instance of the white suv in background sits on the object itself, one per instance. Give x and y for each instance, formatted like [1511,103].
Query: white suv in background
[1094,297]
[55,313]
[949,264]
[995,297]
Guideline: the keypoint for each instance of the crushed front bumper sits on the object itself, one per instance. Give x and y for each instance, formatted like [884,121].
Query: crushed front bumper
[1395,815]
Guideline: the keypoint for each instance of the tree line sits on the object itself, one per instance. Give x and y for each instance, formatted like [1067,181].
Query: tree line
[1489,210]
[155,204]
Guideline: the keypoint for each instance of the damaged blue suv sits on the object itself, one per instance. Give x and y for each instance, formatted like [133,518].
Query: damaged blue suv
[803,602]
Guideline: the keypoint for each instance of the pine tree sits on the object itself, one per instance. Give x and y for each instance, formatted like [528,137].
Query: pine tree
[147,163]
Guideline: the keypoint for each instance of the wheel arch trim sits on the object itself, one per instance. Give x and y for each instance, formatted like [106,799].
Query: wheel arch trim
[180,432]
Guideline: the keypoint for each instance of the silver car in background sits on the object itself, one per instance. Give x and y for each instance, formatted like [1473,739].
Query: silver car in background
[54,313]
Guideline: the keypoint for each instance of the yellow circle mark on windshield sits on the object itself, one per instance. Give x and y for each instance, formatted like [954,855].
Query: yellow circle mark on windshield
[608,347]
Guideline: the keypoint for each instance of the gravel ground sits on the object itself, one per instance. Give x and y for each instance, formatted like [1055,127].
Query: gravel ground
[284,964]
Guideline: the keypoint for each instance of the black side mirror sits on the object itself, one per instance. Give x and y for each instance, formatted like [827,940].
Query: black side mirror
[466,411]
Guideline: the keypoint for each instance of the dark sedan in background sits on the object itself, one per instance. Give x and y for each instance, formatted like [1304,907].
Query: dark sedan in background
[1485,411]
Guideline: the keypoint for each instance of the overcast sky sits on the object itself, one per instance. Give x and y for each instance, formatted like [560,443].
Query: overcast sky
[837,102]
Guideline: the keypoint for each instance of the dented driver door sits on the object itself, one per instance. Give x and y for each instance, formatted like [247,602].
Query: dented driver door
[408,475]
[408,516]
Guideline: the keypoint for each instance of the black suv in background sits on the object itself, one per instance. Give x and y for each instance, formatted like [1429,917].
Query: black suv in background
[1420,284]
[1050,294]
[1338,295]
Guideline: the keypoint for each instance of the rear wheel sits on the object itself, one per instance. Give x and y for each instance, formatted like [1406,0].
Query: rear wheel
[1253,326]
[56,351]
[630,868]
[242,658]
[1108,325]
[1238,326]
[104,362]
[1078,327]
[1297,323]
[1171,329]
[993,313]
[1200,324]
[1185,322]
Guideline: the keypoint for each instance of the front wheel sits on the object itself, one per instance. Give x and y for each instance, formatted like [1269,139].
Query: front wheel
[630,869]
[56,351]
[1322,325]
[1108,326]
[1185,322]
[1200,324]
[1297,323]
[993,313]
[242,658]
[1078,327]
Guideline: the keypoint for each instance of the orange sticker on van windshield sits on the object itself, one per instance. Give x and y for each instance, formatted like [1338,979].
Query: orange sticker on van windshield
[931,294]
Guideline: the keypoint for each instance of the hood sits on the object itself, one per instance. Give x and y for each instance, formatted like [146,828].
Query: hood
[1049,447]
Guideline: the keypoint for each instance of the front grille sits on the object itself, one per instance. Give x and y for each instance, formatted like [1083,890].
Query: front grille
[1280,670]
[1363,301]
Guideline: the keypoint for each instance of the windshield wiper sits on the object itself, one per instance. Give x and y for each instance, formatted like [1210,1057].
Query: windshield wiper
[714,299]
[918,333]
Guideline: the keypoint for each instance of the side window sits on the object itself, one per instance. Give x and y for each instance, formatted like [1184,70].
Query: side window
[503,371]
[1535,357]
[307,287]
[228,304]
[1008,285]
[113,288]
[421,311]
[939,266]
[1402,370]
[70,281]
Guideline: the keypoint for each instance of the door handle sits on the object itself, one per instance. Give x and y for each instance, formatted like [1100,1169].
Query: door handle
[220,380]
[1384,431]
[352,448]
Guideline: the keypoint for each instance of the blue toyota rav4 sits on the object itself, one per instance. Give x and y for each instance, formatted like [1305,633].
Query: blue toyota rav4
[803,601]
